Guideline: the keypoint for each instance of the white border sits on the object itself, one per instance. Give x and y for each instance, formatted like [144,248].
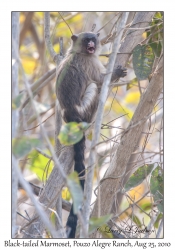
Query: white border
[5,99]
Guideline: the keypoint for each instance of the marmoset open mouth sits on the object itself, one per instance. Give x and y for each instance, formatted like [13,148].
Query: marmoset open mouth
[91,47]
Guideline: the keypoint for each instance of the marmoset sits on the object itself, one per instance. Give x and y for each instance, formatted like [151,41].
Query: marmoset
[79,79]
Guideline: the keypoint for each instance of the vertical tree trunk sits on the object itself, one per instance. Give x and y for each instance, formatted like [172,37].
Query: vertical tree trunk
[110,185]
[15,114]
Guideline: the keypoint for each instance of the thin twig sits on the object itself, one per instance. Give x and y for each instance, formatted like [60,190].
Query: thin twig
[108,22]
[47,35]
[41,126]
[39,84]
[150,225]
[34,117]
[135,204]
[98,121]
[66,205]
[40,123]
[44,154]
[38,207]
[66,23]
[120,229]
[15,113]
[39,233]
[80,217]
[57,59]
[23,216]
[159,229]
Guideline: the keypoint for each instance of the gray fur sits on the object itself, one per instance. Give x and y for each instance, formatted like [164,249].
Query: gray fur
[79,79]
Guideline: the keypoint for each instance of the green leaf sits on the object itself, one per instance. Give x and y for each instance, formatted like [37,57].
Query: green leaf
[72,132]
[157,48]
[138,176]
[158,15]
[97,223]
[156,224]
[156,187]
[83,125]
[143,58]
[75,190]
[89,137]
[40,165]
[23,145]
[136,220]
[132,83]
[53,218]
[17,101]
[145,206]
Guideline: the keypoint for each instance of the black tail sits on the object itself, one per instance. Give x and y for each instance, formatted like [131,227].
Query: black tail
[79,168]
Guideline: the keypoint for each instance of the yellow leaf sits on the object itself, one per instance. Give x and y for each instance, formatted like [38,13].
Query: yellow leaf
[144,35]
[77,18]
[90,136]
[54,14]
[14,105]
[132,84]
[39,15]
[132,97]
[118,108]
[137,192]
[54,96]
[22,17]
[66,194]
[57,48]
[63,30]
[29,64]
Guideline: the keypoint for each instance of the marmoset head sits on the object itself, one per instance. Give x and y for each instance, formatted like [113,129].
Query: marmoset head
[86,42]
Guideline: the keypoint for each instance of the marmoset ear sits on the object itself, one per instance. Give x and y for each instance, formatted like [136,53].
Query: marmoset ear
[74,37]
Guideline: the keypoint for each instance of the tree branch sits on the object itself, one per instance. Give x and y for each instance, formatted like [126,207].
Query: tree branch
[98,121]
[38,207]
[50,195]
[66,205]
[110,186]
[58,119]
[26,25]
[47,35]
[39,84]
[52,189]
[159,229]
[133,37]
[55,183]
[15,113]
[33,229]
